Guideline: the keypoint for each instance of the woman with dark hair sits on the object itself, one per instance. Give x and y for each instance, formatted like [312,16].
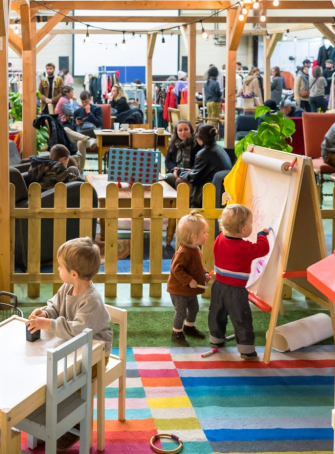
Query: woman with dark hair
[317,85]
[212,93]
[181,152]
[276,84]
[208,161]
[66,106]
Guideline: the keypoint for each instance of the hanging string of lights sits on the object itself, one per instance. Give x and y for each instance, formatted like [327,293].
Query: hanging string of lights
[240,3]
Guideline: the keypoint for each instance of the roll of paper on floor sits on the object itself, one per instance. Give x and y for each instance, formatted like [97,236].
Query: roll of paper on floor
[230,337]
[215,350]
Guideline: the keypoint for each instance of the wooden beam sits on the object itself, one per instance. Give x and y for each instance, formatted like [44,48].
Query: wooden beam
[237,29]
[272,44]
[183,33]
[14,41]
[191,70]
[151,41]
[46,29]
[266,77]
[25,27]
[166,5]
[23,2]
[326,32]
[230,94]
[44,43]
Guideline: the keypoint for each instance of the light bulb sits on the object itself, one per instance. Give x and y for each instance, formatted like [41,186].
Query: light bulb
[163,39]
[16,30]
[241,17]
[124,39]
[203,31]
[295,39]
[284,38]
[87,38]
[244,11]
[255,5]
[275,2]
[263,17]
[268,36]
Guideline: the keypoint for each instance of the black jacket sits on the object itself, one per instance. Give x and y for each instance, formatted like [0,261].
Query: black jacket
[95,116]
[208,161]
[170,159]
[57,133]
[325,54]
[328,75]
[120,105]
[131,117]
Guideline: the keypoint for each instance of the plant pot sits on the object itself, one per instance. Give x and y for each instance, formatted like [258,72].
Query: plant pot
[248,102]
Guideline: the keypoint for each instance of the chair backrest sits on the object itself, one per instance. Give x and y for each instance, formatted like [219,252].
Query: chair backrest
[183,109]
[14,155]
[119,317]
[315,126]
[174,115]
[245,123]
[140,125]
[16,178]
[106,115]
[139,140]
[297,142]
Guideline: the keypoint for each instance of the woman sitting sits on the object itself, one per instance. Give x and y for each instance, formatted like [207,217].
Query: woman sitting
[66,106]
[118,101]
[208,161]
[181,152]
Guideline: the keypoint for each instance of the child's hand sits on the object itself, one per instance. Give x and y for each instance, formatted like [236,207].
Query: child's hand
[38,313]
[35,323]
[208,277]
[193,284]
[267,231]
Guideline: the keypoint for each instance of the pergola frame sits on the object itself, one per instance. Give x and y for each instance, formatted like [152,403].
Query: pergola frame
[33,41]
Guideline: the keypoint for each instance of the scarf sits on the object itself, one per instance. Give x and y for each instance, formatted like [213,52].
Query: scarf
[184,149]
[305,79]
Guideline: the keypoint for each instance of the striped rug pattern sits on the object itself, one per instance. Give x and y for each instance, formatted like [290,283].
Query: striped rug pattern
[222,404]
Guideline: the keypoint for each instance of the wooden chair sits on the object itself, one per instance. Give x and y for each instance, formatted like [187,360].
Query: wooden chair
[315,126]
[143,140]
[116,367]
[65,406]
[15,442]
[174,117]
[183,109]
[137,126]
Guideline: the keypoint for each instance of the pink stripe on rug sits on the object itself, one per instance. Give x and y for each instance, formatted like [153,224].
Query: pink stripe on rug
[159,373]
[166,392]
[151,350]
[131,404]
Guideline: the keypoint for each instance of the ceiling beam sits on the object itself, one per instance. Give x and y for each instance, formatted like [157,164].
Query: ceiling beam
[183,32]
[46,29]
[273,42]
[15,41]
[237,29]
[44,43]
[326,32]
[173,4]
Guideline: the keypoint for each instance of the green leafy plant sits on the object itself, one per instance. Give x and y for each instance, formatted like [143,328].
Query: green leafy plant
[271,133]
[15,114]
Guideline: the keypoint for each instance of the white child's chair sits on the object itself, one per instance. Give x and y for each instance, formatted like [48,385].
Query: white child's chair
[65,407]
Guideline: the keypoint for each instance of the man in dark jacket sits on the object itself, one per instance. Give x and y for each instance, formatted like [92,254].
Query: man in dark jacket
[289,110]
[328,75]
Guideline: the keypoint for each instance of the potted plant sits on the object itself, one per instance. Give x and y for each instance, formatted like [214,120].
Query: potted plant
[273,132]
[15,117]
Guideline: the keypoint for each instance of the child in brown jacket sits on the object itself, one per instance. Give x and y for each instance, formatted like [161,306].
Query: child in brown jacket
[187,272]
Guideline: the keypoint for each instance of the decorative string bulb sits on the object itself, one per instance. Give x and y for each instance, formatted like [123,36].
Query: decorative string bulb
[255,5]
[87,37]
[295,39]
[275,2]
[241,17]
[203,31]
[16,30]
[244,10]
[163,39]
[268,36]
[124,39]
[115,44]
[263,17]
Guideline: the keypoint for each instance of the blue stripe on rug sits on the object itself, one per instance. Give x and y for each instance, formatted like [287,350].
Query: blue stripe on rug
[269,434]
[256,381]
[140,413]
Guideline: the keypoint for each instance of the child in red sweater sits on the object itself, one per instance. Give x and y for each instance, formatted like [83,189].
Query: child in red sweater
[233,257]
[186,273]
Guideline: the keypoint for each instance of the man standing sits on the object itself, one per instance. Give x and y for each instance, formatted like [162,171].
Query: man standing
[50,88]
[328,75]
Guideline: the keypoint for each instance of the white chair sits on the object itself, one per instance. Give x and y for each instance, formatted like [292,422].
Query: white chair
[116,367]
[65,406]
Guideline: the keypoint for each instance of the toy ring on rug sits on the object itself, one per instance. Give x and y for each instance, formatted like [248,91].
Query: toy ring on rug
[173,437]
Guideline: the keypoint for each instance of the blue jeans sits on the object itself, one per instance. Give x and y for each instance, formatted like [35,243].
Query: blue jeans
[318,102]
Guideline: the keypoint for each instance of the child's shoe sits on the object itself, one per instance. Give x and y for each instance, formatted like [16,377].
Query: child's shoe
[249,356]
[178,338]
[192,331]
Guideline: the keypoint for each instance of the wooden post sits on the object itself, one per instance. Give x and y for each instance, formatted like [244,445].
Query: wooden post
[191,69]
[266,79]
[151,41]
[4,152]
[230,84]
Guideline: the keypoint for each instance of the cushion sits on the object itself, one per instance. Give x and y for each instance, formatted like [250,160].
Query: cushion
[320,166]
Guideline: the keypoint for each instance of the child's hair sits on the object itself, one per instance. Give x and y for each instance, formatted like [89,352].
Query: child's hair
[59,151]
[191,224]
[234,218]
[80,255]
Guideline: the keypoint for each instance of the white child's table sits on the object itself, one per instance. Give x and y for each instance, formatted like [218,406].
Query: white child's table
[23,373]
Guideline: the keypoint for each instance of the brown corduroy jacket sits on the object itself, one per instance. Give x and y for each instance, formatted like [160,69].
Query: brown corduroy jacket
[56,92]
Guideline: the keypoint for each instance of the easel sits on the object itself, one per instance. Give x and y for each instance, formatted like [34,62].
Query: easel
[299,244]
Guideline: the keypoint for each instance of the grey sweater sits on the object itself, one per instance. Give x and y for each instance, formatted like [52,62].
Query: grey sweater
[72,314]
[317,86]
[276,89]
[328,144]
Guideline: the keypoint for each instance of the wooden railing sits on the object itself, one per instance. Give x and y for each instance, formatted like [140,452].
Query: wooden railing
[111,213]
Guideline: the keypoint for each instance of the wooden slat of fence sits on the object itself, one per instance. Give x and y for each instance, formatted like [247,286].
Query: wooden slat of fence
[60,201]
[86,201]
[12,232]
[111,238]
[207,250]
[183,204]
[156,237]
[136,244]
[34,239]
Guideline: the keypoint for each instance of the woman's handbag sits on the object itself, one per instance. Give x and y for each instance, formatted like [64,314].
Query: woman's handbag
[304,93]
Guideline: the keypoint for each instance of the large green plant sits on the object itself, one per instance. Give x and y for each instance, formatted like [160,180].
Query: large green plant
[271,133]
[15,114]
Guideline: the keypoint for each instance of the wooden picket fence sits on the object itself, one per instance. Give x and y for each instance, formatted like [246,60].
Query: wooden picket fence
[111,213]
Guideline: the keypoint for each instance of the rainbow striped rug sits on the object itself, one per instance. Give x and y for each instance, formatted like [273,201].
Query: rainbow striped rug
[222,404]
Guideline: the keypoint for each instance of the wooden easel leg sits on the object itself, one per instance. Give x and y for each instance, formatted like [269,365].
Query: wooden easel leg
[273,323]
[332,315]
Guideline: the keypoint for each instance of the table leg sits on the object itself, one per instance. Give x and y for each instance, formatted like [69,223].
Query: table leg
[102,204]
[5,440]
[171,228]
[101,402]
[100,153]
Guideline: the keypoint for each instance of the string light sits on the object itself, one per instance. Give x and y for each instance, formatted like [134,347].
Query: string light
[255,5]
[285,35]
[295,39]
[263,17]
[87,38]
[163,39]
[268,36]
[16,30]
[203,31]
[124,39]
[241,17]
[244,10]
[275,2]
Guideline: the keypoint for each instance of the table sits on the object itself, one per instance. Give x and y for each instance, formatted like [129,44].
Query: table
[121,139]
[24,374]
[100,182]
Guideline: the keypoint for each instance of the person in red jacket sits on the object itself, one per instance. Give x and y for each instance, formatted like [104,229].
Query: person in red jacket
[233,257]
[188,277]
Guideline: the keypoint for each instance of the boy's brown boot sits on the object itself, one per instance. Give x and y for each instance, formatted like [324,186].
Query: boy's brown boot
[192,331]
[178,338]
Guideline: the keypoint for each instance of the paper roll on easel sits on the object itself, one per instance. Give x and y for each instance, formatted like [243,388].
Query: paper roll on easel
[302,333]
[276,165]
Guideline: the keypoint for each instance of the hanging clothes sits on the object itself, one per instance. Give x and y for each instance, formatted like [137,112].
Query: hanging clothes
[331,104]
[288,79]
[170,101]
[325,54]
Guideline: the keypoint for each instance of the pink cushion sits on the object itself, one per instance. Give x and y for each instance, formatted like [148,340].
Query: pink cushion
[320,166]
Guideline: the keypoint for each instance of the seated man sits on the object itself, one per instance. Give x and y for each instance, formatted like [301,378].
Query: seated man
[50,171]
[289,110]
[85,119]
